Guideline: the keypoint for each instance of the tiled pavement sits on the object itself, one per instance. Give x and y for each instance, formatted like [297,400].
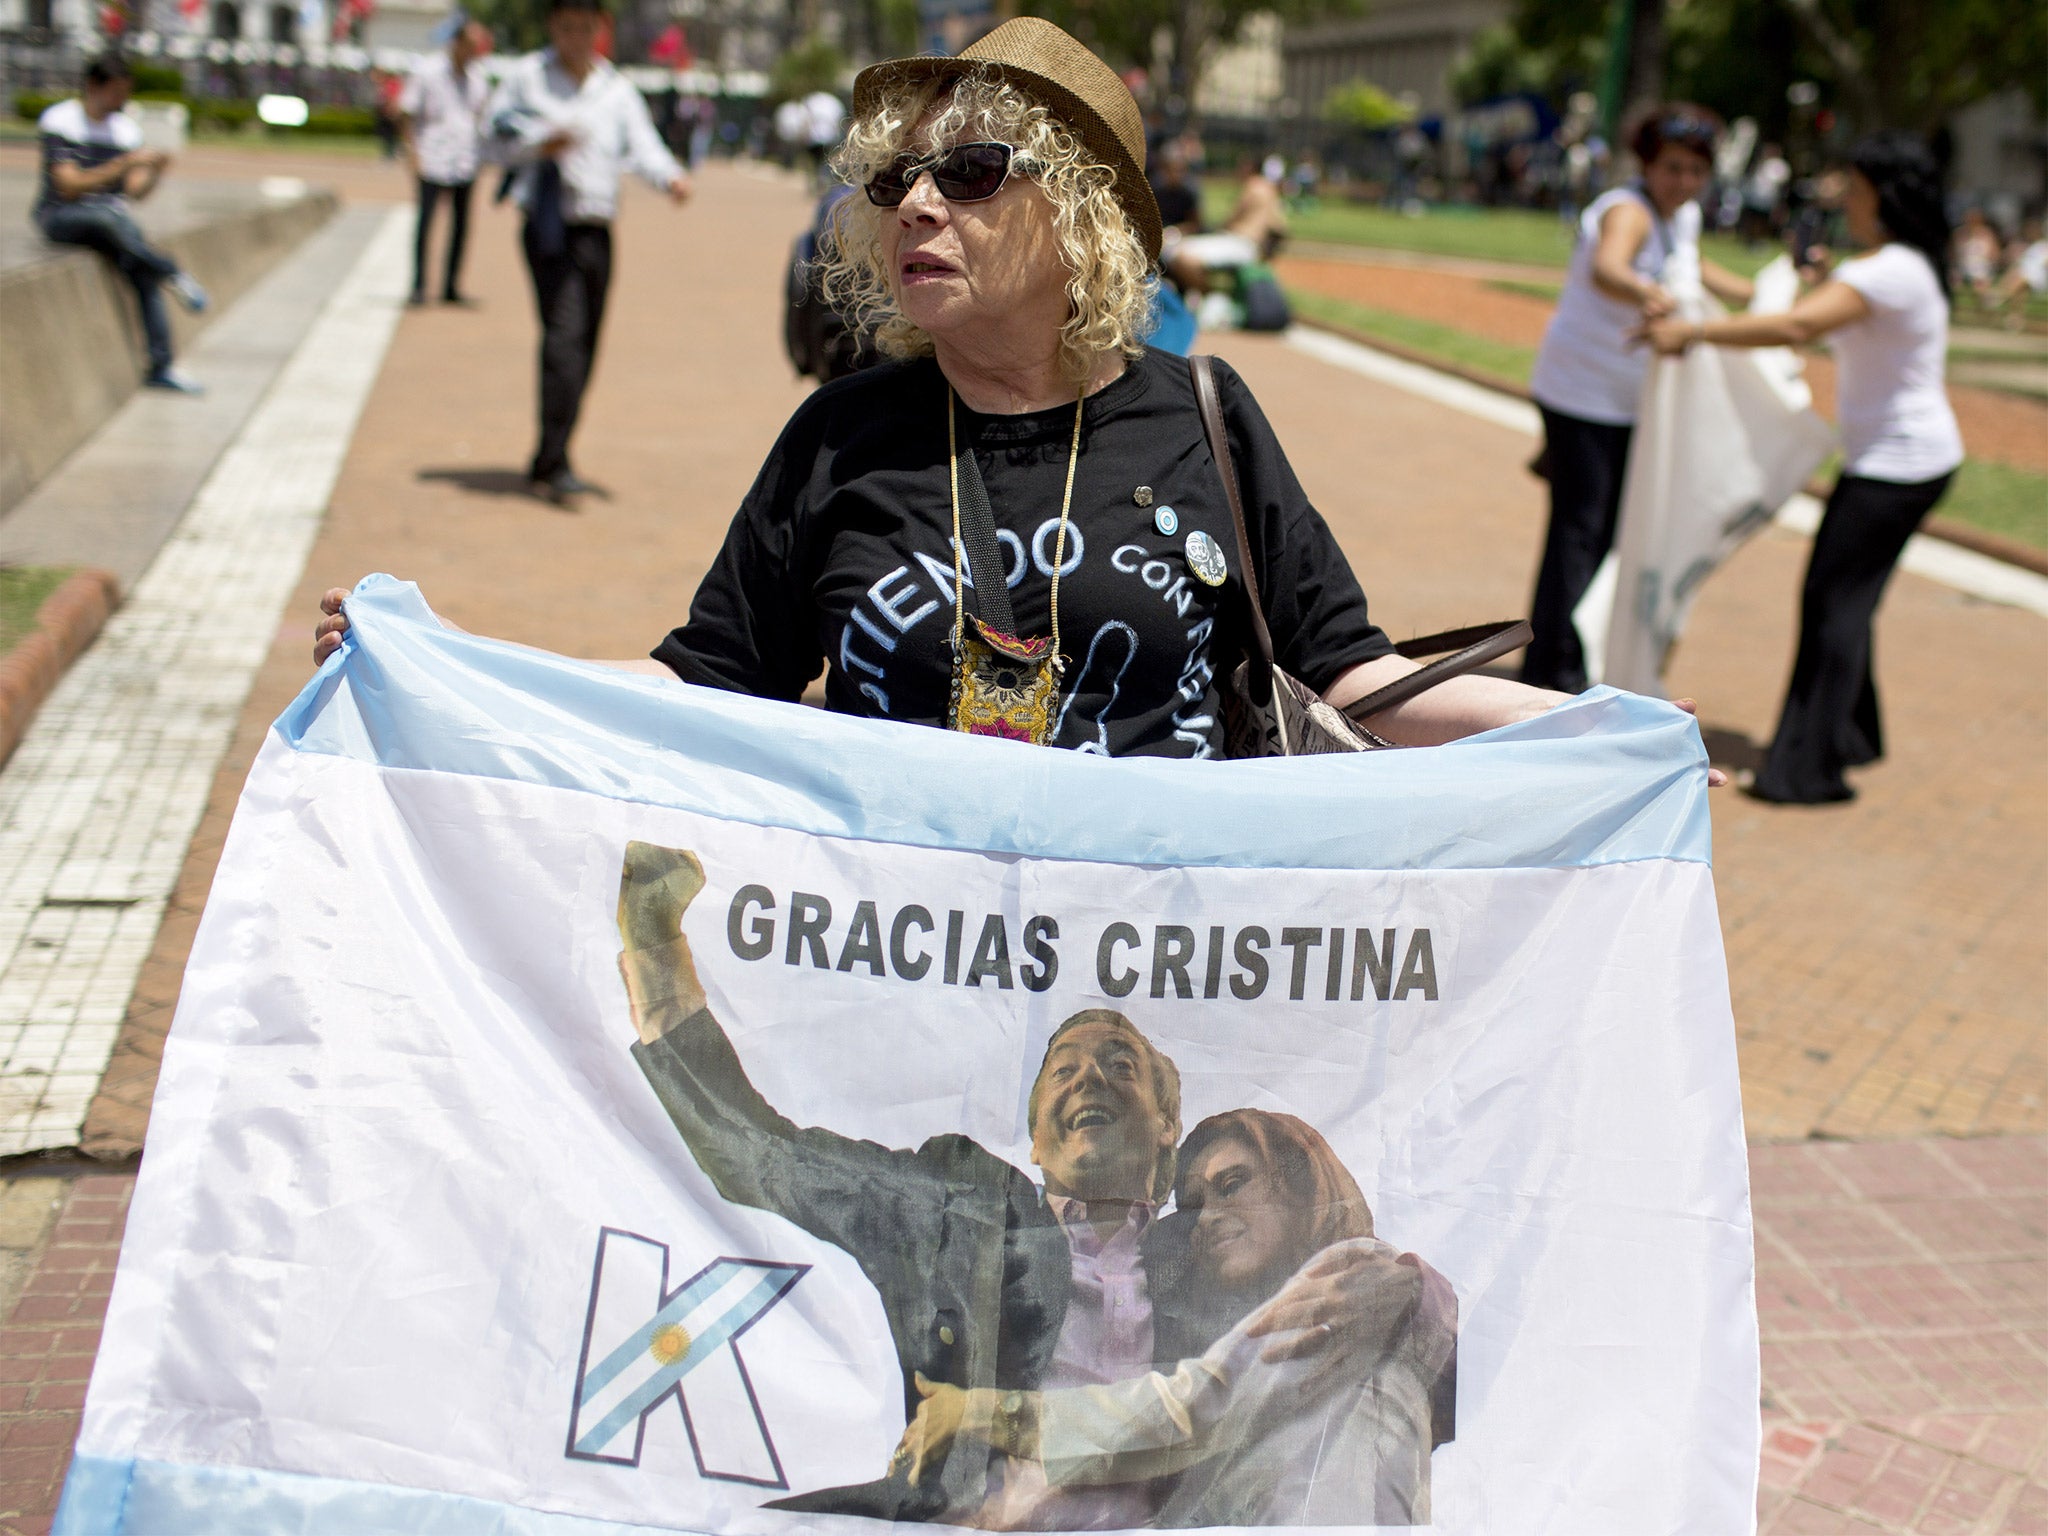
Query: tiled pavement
[1902,1292]
[99,802]
[1886,958]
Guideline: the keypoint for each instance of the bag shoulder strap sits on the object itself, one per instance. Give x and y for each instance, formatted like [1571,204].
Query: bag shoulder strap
[1473,646]
[990,601]
[1210,404]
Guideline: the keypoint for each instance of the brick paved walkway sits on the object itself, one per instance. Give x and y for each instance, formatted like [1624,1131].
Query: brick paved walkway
[1902,1292]
[52,1330]
[1887,957]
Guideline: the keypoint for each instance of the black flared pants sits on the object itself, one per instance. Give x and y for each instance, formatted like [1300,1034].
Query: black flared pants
[1585,462]
[1830,720]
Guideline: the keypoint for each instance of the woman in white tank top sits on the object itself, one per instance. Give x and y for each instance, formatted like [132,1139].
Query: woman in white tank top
[1634,243]
[1886,316]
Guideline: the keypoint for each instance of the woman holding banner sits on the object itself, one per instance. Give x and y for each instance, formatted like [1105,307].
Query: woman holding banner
[1335,1439]
[1023,508]
[1886,316]
[1635,243]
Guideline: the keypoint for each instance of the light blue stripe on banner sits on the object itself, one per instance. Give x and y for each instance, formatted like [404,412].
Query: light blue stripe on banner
[160,1498]
[643,1397]
[642,1338]
[1607,778]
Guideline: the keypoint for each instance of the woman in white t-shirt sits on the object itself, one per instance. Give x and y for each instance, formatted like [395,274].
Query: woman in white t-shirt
[1885,315]
[1634,243]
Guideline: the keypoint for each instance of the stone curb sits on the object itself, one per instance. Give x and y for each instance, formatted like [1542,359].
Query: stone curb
[65,625]
[1991,545]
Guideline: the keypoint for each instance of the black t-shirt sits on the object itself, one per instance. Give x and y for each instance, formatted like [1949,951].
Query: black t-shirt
[842,555]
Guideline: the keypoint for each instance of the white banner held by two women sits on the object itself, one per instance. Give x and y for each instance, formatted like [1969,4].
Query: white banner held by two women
[1723,439]
[599,1106]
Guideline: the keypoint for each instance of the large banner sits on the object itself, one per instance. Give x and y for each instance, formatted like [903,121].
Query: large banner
[602,1105]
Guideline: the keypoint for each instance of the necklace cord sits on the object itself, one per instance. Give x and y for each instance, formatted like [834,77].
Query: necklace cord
[1059,556]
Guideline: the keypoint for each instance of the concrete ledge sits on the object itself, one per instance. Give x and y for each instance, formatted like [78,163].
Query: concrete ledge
[65,625]
[74,343]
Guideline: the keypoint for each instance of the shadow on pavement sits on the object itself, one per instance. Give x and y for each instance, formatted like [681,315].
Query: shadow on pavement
[1728,748]
[485,482]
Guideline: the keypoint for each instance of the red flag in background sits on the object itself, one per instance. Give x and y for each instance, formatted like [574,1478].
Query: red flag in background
[348,13]
[671,50]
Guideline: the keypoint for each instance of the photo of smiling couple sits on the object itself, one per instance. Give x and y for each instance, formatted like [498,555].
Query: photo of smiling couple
[1154,1331]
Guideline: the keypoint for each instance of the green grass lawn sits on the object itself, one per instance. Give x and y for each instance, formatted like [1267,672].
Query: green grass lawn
[22,590]
[1444,342]
[1526,236]
[1528,289]
[2001,500]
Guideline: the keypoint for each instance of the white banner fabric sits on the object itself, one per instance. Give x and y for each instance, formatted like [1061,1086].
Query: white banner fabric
[1724,437]
[600,1105]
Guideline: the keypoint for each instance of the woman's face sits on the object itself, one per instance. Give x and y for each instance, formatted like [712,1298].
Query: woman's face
[1675,177]
[1248,1229]
[1859,210]
[957,268]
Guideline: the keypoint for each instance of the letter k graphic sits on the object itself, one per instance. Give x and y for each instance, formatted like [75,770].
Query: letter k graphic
[643,1343]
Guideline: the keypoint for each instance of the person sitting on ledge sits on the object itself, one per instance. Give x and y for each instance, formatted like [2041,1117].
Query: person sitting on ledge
[93,164]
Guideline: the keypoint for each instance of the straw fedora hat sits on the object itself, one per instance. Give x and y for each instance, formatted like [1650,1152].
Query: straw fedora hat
[1078,88]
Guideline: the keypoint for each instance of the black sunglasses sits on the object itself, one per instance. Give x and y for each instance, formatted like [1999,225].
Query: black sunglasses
[966,173]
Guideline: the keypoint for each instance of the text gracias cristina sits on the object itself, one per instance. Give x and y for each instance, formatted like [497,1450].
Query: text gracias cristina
[1178,961]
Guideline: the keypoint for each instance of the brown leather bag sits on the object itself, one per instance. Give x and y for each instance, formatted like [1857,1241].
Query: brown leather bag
[1268,712]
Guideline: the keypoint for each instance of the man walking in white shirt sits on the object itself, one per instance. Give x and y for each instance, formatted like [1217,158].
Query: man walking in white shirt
[572,123]
[443,117]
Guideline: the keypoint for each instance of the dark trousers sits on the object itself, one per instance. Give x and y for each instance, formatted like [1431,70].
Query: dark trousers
[1830,720]
[1585,462]
[569,286]
[431,193]
[115,236]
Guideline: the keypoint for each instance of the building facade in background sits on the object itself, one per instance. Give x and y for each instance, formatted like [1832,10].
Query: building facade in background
[1407,48]
[1245,80]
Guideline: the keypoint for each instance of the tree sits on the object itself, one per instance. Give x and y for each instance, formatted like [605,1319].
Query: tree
[518,26]
[812,66]
[1361,104]
[1880,63]
[1496,64]
[1907,64]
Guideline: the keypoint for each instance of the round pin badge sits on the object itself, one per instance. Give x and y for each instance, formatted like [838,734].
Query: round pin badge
[1167,521]
[1205,559]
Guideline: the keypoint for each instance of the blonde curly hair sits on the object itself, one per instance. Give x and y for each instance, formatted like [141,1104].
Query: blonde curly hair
[1107,270]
